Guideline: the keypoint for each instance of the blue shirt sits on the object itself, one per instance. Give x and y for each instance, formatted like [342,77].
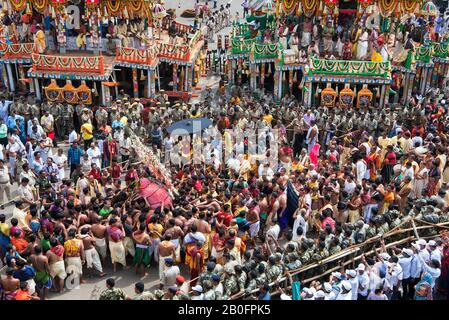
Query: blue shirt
[24,274]
[267,296]
[74,156]
[4,107]
[11,122]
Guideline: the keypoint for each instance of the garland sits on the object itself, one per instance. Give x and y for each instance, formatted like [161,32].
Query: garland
[288,6]
[349,67]
[135,6]
[409,6]
[113,7]
[65,63]
[40,5]
[387,6]
[18,5]
[309,7]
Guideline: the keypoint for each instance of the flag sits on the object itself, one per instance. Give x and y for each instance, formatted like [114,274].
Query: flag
[292,201]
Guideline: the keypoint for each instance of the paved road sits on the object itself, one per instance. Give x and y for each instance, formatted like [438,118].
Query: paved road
[124,279]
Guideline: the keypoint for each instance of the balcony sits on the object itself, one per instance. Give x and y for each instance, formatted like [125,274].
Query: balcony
[16,50]
[139,56]
[68,63]
[349,68]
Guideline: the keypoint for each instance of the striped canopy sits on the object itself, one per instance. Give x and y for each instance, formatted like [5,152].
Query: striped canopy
[268,7]
[429,9]
[159,11]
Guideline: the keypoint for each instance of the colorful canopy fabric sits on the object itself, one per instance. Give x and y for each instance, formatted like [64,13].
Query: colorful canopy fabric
[268,7]
[155,195]
[159,11]
[429,9]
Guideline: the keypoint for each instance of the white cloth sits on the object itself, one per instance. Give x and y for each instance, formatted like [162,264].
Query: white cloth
[93,259]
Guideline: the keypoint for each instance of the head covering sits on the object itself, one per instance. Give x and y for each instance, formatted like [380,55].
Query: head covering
[180,279]
[361,267]
[351,273]
[198,288]
[285,297]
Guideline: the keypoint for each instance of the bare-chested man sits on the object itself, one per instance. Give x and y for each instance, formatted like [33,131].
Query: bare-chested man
[10,284]
[98,231]
[176,235]
[74,254]
[43,277]
[165,249]
[92,257]
[142,255]
[57,267]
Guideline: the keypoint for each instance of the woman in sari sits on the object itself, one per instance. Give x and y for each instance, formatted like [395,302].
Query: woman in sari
[443,286]
[423,289]
[389,163]
[314,154]
[373,161]
[434,178]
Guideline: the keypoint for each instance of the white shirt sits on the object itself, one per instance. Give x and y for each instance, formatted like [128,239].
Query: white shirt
[95,155]
[436,254]
[274,231]
[406,264]
[25,192]
[395,276]
[73,136]
[363,280]
[169,276]
[354,287]
[361,170]
[434,272]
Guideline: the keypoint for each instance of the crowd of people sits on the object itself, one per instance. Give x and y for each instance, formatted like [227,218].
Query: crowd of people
[230,220]
[266,189]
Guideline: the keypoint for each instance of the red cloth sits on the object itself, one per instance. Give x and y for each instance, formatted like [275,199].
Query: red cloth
[328,221]
[58,250]
[225,217]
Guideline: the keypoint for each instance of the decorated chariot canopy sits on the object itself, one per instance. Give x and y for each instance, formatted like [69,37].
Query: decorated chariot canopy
[102,8]
[310,8]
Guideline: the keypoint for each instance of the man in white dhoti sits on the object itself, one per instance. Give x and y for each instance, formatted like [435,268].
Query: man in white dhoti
[362,45]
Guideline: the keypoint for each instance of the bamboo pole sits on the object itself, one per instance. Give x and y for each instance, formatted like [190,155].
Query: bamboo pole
[354,249]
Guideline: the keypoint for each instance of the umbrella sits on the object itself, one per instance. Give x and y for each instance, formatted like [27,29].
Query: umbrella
[159,11]
[154,194]
[268,7]
[429,9]
[189,126]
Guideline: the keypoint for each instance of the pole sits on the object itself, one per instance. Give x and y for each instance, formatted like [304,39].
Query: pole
[12,88]
[149,80]
[135,84]
[37,89]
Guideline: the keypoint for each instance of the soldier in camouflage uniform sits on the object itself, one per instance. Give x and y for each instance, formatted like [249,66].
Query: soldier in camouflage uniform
[112,293]
[67,119]
[262,275]
[209,292]
[35,110]
[207,275]
[218,287]
[241,277]
[230,283]
[56,112]
[252,283]
[101,115]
